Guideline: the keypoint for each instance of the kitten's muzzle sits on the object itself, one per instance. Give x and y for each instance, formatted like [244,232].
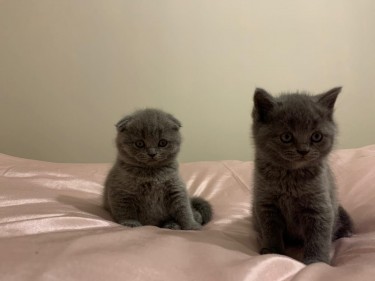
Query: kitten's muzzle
[151,152]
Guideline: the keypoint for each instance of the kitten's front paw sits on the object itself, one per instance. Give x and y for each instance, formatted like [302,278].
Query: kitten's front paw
[192,226]
[265,251]
[308,261]
[131,223]
[171,225]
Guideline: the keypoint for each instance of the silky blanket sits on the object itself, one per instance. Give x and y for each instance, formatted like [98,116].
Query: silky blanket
[53,227]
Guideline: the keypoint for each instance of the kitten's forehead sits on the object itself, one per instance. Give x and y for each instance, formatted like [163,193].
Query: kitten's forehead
[298,111]
[150,128]
[297,100]
[151,123]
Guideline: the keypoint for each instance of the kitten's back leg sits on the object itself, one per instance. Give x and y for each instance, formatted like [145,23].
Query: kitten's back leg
[344,225]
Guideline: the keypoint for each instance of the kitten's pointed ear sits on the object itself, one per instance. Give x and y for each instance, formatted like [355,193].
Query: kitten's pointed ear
[121,125]
[176,123]
[263,104]
[328,99]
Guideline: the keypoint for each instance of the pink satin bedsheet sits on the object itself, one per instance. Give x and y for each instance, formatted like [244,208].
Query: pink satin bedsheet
[52,227]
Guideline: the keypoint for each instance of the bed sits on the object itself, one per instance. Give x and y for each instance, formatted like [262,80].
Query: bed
[53,227]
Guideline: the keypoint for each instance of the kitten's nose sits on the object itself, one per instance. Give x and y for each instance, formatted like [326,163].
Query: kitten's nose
[303,148]
[303,152]
[151,152]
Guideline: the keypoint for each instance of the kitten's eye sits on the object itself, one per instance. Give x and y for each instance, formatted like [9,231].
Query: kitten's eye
[163,143]
[316,137]
[286,137]
[139,143]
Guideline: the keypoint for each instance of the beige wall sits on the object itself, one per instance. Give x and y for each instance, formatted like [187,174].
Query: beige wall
[70,69]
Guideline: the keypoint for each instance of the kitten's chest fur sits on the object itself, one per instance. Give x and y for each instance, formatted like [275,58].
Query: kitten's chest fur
[148,190]
[293,196]
[295,192]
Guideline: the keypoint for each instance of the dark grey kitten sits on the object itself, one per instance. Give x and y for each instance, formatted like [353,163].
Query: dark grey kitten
[294,191]
[144,187]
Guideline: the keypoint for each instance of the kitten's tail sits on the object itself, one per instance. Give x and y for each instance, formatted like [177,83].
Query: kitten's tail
[202,210]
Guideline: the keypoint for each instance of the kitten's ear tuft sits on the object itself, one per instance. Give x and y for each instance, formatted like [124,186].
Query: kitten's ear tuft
[121,125]
[263,104]
[328,99]
[176,123]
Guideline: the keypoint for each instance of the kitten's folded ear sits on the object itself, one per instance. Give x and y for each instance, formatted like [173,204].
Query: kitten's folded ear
[328,99]
[176,123]
[263,104]
[121,125]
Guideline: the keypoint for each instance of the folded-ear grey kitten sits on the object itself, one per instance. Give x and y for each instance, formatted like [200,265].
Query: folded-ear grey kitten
[144,187]
[294,197]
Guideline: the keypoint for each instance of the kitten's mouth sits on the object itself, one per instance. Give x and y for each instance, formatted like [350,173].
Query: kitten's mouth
[302,158]
[299,158]
[300,161]
[152,161]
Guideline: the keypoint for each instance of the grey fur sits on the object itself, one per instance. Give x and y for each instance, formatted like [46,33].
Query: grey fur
[144,187]
[294,195]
